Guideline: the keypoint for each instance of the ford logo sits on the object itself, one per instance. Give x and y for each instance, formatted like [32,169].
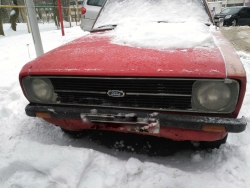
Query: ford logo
[115,93]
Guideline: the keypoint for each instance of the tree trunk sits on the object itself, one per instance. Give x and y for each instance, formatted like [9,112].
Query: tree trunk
[14,15]
[55,13]
[21,10]
[65,3]
[1,23]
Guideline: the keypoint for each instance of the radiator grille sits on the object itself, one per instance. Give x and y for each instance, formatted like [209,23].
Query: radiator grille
[165,94]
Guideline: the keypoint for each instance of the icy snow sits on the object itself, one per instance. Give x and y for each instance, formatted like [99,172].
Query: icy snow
[35,154]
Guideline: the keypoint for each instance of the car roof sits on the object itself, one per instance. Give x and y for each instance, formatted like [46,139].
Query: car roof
[237,7]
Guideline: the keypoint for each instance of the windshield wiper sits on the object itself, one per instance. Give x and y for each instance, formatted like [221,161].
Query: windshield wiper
[207,24]
[105,27]
[111,25]
[162,22]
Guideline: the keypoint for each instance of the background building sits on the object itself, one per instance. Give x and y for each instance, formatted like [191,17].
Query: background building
[230,3]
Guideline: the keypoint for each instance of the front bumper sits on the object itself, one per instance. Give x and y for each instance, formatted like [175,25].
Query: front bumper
[135,117]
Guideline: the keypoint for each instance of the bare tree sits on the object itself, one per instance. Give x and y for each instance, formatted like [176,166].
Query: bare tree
[1,23]
[65,10]
[14,15]
[4,12]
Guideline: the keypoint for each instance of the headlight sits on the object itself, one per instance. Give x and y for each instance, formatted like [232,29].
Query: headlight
[215,96]
[39,90]
[228,16]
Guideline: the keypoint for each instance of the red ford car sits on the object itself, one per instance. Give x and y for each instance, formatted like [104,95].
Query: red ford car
[151,67]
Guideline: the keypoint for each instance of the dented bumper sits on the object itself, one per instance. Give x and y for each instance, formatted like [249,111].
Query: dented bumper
[137,118]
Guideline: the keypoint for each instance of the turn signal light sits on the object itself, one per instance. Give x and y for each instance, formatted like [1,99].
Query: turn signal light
[213,128]
[83,10]
[43,115]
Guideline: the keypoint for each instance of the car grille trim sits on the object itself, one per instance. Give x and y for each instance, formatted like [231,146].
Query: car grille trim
[160,94]
[75,91]
[145,94]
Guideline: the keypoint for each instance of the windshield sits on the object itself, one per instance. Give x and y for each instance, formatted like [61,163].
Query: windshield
[230,10]
[95,2]
[171,11]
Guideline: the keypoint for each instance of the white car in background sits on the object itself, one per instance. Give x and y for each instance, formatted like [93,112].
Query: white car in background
[90,11]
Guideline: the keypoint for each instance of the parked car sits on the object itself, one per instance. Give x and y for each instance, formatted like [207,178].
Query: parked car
[233,16]
[90,11]
[142,70]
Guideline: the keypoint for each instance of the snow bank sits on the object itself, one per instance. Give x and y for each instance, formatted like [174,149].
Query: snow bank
[30,164]
[35,154]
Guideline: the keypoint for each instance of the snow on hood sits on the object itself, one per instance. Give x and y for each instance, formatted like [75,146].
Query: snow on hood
[157,24]
[163,35]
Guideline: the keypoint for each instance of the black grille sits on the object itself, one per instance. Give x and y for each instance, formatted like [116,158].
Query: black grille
[139,93]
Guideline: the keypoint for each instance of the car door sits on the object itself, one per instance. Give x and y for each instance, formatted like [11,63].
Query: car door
[248,16]
[92,9]
[244,16]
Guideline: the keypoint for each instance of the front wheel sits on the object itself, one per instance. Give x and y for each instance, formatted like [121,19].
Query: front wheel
[234,22]
[75,134]
[213,144]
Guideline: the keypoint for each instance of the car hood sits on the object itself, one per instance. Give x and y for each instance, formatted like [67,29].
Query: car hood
[221,15]
[96,55]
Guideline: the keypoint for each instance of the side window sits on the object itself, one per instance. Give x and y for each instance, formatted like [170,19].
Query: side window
[243,13]
[100,3]
[95,2]
[248,12]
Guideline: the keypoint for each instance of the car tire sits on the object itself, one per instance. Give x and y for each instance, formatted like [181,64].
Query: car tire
[234,22]
[75,134]
[213,144]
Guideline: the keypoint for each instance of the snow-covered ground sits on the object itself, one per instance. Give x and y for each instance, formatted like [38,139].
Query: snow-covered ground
[35,154]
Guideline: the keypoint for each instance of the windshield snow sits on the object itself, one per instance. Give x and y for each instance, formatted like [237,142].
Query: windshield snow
[172,11]
[156,24]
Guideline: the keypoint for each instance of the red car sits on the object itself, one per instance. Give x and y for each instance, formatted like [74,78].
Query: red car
[156,73]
